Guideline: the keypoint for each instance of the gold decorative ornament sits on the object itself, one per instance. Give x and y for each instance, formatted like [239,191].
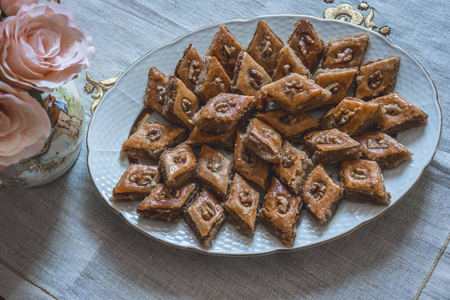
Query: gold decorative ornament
[344,12]
[100,86]
[363,6]
[385,30]
[368,23]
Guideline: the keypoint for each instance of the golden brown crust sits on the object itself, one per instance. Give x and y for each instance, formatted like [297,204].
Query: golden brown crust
[178,166]
[322,194]
[281,212]
[337,81]
[189,67]
[263,140]
[346,51]
[226,48]
[306,43]
[137,182]
[156,89]
[201,137]
[212,80]
[288,62]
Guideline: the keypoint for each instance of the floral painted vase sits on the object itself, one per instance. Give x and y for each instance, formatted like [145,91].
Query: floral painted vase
[62,147]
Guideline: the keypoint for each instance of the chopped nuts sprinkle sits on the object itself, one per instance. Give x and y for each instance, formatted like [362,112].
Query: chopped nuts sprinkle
[283,204]
[345,56]
[194,70]
[180,158]
[214,164]
[218,84]
[293,87]
[224,105]
[246,198]
[377,144]
[287,69]
[186,105]
[154,134]
[266,46]
[228,51]
[207,211]
[392,109]
[318,189]
[375,79]
[255,78]
[359,173]
[289,119]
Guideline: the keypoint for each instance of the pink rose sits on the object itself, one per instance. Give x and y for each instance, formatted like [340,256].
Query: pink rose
[11,7]
[24,125]
[43,47]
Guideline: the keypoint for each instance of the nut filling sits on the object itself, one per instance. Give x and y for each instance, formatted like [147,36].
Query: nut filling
[154,134]
[293,87]
[255,78]
[282,204]
[287,161]
[377,144]
[375,79]
[359,173]
[245,198]
[180,158]
[186,105]
[266,47]
[345,56]
[214,164]
[208,211]
[194,70]
[318,189]
[224,105]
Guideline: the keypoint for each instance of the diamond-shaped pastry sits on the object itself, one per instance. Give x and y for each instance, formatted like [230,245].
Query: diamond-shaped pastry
[263,140]
[290,126]
[352,116]
[363,181]
[212,80]
[205,217]
[346,51]
[151,140]
[241,206]
[322,194]
[332,146]
[226,48]
[249,165]
[293,167]
[281,212]
[306,43]
[156,89]
[189,67]
[137,182]
[200,137]
[288,62]
[337,81]
[377,78]
[214,171]
[249,77]
[180,104]
[178,166]
[383,149]
[400,114]
[223,112]
[265,46]
[295,93]
[166,204]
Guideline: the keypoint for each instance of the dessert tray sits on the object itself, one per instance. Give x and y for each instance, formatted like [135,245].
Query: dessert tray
[117,113]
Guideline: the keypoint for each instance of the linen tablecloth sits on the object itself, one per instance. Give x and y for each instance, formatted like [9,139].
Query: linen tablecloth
[62,241]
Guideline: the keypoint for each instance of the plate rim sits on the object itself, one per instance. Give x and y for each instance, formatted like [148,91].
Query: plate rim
[280,250]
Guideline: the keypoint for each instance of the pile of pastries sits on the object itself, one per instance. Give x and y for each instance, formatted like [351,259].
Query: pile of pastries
[253,103]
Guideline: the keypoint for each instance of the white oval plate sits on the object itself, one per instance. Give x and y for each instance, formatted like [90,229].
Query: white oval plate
[116,113]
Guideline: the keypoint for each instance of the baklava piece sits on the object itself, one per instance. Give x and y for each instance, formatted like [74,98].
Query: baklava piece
[226,48]
[295,93]
[383,149]
[201,137]
[306,43]
[377,78]
[293,168]
[352,116]
[205,217]
[212,80]
[263,140]
[166,204]
[249,77]
[281,212]
[242,205]
[223,112]
[136,183]
[265,46]
[322,194]
[363,181]
[332,146]
[400,114]
[288,62]
[151,140]
[346,51]
[249,165]
[189,67]
[178,166]
[291,126]
[156,89]
[180,104]
[214,171]
[337,81]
